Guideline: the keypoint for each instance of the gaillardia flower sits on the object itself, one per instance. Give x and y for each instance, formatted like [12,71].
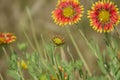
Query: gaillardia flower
[67,12]
[103,16]
[58,40]
[6,38]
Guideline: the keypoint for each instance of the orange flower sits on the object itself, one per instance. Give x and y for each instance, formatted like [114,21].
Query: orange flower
[6,38]
[67,12]
[58,40]
[65,76]
[103,16]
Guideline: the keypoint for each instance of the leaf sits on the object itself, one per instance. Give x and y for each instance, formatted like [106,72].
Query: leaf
[117,76]
[14,74]
[43,77]
[22,46]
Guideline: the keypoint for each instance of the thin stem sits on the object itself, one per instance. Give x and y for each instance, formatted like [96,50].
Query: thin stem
[28,39]
[20,73]
[88,43]
[33,30]
[109,77]
[69,52]
[4,50]
[117,32]
[1,77]
[56,64]
[108,43]
[44,45]
[79,53]
[63,56]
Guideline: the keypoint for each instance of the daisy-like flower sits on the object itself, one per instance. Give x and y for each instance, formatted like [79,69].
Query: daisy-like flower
[103,16]
[67,12]
[6,38]
[58,40]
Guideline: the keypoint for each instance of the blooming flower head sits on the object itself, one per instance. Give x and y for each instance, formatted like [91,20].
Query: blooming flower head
[103,16]
[6,38]
[67,12]
[58,40]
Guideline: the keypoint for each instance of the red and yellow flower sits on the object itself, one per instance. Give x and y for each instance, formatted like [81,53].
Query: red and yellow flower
[103,16]
[6,38]
[67,12]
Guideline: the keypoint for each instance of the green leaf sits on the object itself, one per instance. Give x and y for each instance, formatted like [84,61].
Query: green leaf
[14,74]
[43,77]
[22,46]
[117,76]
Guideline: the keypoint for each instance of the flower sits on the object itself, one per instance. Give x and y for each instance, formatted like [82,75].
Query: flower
[103,16]
[67,12]
[22,64]
[65,76]
[58,40]
[6,38]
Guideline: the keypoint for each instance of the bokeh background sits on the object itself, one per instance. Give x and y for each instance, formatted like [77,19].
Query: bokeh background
[14,19]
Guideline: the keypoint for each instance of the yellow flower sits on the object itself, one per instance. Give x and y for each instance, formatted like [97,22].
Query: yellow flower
[58,40]
[22,64]
[67,12]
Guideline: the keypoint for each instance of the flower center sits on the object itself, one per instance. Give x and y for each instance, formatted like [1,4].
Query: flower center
[104,16]
[2,40]
[57,40]
[68,12]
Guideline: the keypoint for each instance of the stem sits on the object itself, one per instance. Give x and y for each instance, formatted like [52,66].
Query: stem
[108,43]
[88,43]
[63,56]
[21,75]
[4,50]
[56,64]
[79,53]
[28,39]
[69,52]
[1,77]
[33,31]
[117,32]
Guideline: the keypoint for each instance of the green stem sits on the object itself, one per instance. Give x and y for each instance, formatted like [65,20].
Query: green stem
[4,50]
[21,74]
[33,31]
[28,39]
[88,43]
[79,53]
[69,52]
[108,43]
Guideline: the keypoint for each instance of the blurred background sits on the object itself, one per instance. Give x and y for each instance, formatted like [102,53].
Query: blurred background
[14,19]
